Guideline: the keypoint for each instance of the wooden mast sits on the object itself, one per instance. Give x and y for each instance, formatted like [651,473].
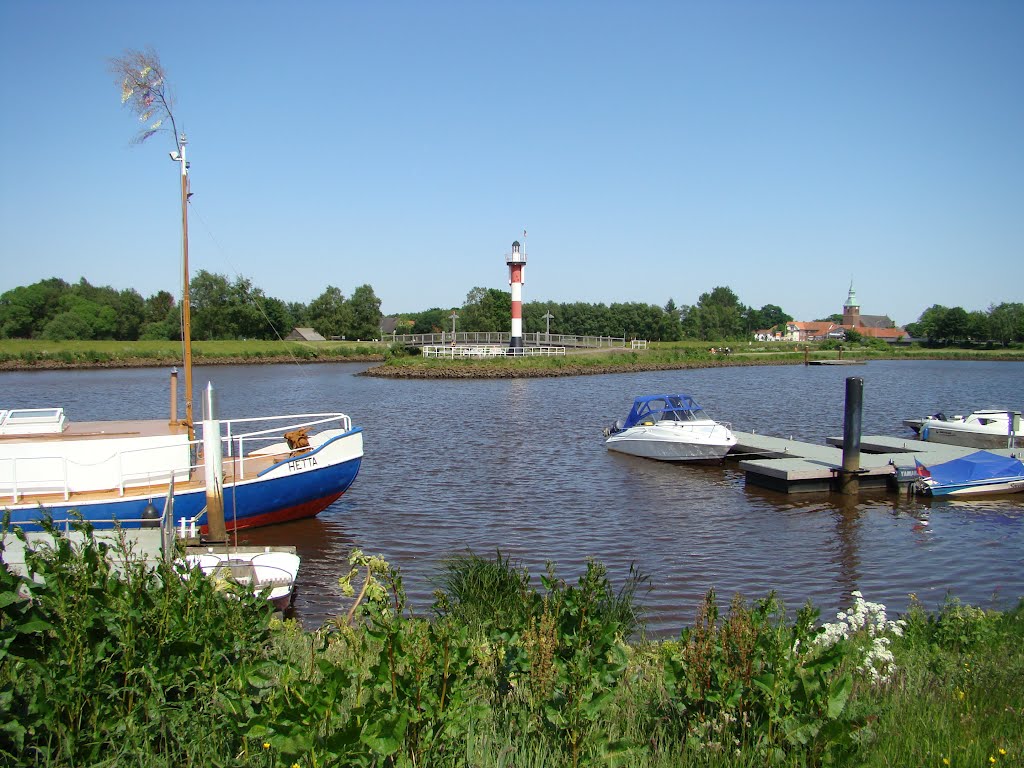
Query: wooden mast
[186,308]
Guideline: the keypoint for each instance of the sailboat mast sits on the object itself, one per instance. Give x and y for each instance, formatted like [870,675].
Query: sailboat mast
[186,307]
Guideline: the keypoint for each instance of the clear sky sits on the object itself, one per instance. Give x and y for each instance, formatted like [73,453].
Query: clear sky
[651,150]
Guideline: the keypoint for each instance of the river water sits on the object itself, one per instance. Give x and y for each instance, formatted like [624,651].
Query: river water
[519,465]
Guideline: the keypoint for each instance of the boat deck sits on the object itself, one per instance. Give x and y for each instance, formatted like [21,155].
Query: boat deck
[96,430]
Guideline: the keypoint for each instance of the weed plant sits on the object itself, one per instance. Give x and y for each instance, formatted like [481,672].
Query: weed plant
[162,667]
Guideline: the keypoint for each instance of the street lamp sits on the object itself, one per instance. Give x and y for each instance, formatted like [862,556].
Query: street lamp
[548,317]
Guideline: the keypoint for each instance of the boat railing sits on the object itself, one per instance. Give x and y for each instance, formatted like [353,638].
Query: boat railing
[17,487]
[235,442]
[22,476]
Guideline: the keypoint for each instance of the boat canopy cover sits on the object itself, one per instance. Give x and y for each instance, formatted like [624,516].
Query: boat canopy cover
[981,465]
[656,408]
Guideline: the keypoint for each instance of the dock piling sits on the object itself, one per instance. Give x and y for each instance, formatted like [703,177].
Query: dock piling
[849,475]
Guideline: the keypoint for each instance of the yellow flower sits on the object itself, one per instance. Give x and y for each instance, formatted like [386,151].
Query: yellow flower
[991,759]
[266,745]
[1002,751]
[945,761]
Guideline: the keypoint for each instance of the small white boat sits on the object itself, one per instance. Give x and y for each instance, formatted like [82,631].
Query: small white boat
[990,428]
[670,428]
[274,569]
[981,472]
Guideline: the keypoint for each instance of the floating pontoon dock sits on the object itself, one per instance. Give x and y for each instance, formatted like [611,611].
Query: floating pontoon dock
[794,466]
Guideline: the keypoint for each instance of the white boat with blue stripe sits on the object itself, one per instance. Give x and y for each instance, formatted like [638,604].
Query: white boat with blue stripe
[670,428]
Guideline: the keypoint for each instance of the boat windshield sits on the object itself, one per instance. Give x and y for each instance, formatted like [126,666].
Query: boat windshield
[655,408]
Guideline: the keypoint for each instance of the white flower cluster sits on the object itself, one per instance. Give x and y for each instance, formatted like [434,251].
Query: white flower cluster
[866,621]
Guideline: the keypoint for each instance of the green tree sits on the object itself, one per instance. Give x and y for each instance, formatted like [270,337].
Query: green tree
[25,310]
[364,314]
[979,326]
[1006,322]
[209,295]
[670,325]
[929,323]
[329,313]
[954,325]
[429,321]
[718,315]
[486,310]
[66,326]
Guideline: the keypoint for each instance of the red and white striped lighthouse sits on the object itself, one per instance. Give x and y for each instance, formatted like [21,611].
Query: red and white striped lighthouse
[516,264]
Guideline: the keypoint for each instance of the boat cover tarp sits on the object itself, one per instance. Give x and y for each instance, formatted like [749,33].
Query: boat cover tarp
[653,407]
[975,467]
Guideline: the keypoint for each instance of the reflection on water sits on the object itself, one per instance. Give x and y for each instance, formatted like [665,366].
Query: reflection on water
[520,466]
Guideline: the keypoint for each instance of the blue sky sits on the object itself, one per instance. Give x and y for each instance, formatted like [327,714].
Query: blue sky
[652,150]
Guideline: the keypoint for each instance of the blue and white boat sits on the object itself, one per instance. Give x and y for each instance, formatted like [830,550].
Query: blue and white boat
[267,469]
[981,472]
[122,470]
[670,428]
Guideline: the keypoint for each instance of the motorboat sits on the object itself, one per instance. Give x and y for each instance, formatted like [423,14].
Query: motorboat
[267,570]
[981,472]
[670,428]
[991,428]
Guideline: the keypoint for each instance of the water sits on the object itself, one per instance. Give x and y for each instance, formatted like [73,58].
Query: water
[520,466]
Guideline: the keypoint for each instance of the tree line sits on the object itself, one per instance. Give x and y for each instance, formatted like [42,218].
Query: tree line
[717,315]
[1002,323]
[221,308]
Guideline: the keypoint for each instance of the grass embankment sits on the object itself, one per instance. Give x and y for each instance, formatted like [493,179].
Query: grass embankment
[26,354]
[22,354]
[662,356]
[153,669]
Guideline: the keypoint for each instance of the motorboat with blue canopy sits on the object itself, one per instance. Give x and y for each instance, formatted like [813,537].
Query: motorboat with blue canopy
[670,428]
[976,473]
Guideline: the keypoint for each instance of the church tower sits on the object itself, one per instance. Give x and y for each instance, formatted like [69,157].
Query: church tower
[851,309]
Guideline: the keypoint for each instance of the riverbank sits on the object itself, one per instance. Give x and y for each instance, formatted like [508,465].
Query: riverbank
[36,355]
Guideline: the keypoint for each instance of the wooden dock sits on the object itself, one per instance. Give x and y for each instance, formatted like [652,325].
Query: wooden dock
[795,466]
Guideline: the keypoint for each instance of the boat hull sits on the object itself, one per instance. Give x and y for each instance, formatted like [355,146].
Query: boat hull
[671,444]
[1009,485]
[952,434]
[292,489]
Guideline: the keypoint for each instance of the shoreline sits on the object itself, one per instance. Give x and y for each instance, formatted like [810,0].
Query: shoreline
[502,372]
[464,371]
[146,362]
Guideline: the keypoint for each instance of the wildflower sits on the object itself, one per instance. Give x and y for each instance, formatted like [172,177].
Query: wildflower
[266,745]
[1002,752]
[945,761]
[991,759]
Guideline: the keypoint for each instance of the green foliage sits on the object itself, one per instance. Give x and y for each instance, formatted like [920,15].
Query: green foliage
[754,679]
[151,666]
[101,665]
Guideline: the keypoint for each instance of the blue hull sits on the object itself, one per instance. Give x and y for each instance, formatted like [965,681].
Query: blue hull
[248,503]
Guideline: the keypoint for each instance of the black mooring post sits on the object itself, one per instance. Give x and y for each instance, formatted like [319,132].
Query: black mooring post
[849,477]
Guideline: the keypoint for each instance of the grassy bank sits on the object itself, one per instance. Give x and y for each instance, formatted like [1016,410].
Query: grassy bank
[21,354]
[510,670]
[24,354]
[663,356]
